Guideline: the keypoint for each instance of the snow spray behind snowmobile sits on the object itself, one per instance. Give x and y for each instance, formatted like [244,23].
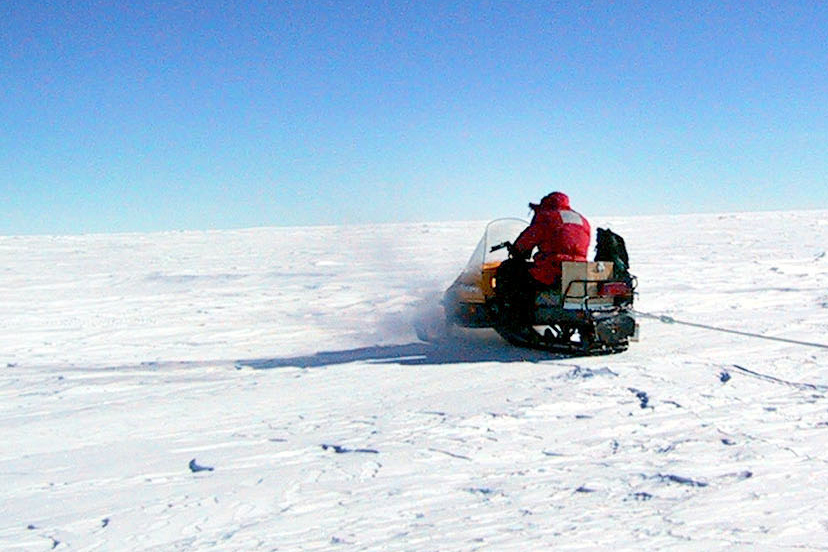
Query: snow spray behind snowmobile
[590,312]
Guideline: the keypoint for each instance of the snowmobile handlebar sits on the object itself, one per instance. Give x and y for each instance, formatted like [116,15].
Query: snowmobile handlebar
[510,247]
[498,247]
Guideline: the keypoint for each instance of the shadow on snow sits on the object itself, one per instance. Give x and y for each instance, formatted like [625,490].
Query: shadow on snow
[410,354]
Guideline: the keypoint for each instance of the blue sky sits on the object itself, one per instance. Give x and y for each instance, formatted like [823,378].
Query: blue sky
[140,116]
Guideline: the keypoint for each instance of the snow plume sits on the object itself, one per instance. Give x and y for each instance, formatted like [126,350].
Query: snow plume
[422,317]
[409,267]
[429,320]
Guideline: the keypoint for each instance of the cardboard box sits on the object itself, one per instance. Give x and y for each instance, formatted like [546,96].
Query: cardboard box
[583,277]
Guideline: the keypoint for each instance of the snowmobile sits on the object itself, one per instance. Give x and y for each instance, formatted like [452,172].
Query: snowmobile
[589,313]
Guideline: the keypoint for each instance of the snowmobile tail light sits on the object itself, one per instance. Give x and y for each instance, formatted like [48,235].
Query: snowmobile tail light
[612,289]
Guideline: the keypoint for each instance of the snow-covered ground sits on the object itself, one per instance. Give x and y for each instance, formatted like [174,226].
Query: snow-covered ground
[286,361]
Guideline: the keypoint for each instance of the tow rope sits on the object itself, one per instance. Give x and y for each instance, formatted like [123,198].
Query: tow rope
[795,384]
[670,320]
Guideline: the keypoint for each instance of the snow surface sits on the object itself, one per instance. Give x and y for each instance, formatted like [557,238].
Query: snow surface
[285,360]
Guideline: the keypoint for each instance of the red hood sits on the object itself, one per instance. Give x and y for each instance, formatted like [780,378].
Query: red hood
[556,201]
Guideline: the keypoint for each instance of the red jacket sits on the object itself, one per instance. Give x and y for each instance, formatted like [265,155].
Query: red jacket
[559,233]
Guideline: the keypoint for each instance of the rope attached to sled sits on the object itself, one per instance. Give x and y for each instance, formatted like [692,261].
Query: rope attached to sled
[802,386]
[670,320]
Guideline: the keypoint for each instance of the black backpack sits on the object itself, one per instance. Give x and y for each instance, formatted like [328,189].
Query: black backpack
[610,247]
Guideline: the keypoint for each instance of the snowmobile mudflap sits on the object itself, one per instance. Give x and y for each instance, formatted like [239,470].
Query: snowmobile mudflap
[614,329]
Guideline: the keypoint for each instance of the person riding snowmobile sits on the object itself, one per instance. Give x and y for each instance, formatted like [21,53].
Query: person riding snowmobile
[559,233]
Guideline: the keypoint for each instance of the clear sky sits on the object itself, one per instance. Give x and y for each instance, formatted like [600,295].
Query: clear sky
[135,116]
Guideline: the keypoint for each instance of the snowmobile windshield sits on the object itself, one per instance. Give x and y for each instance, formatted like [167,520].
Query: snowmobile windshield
[497,232]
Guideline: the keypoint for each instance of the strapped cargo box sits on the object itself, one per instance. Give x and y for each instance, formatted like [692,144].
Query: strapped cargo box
[580,283]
